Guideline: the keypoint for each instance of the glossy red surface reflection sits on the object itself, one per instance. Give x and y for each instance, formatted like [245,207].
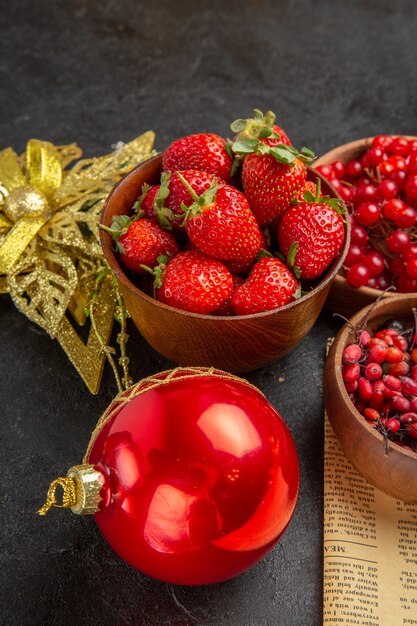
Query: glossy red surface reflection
[201,479]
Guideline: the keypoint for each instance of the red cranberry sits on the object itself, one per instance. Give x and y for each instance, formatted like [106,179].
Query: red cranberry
[354,169]
[410,188]
[393,208]
[374,156]
[387,190]
[354,255]
[375,263]
[359,236]
[398,241]
[339,168]
[400,146]
[399,177]
[368,213]
[358,275]
[326,171]
[407,219]
[382,141]
[365,193]
[405,284]
[411,268]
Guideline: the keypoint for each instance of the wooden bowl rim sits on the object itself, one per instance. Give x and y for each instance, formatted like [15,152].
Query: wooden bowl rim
[106,244]
[340,342]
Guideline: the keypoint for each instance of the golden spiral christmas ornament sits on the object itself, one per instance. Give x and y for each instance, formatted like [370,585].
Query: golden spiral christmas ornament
[50,254]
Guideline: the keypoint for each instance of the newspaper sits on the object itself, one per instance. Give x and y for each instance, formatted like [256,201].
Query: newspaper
[369,550]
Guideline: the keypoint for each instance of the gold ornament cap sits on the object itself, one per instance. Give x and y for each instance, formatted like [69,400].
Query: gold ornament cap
[81,491]
[87,489]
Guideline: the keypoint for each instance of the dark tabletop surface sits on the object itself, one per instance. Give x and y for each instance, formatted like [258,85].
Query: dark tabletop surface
[100,71]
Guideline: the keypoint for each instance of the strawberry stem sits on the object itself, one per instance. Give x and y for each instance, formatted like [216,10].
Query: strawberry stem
[188,187]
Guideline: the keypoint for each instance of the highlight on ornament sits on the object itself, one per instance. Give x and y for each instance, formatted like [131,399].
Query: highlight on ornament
[191,474]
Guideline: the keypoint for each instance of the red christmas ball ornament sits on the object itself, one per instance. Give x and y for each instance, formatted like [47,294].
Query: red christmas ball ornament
[192,476]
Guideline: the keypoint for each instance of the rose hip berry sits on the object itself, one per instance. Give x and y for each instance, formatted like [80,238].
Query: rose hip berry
[379,370]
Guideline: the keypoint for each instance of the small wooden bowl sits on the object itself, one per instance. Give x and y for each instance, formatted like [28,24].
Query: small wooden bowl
[394,473]
[343,298]
[235,344]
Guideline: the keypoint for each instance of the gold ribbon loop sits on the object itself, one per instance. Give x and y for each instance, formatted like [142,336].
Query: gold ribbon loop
[11,175]
[69,495]
[43,166]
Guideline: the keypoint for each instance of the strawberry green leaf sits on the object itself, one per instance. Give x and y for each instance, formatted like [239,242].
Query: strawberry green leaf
[265,132]
[238,125]
[280,256]
[292,253]
[228,148]
[245,147]
[162,259]
[297,272]
[334,203]
[306,155]
[236,165]
[309,196]
[137,205]
[263,254]
[283,154]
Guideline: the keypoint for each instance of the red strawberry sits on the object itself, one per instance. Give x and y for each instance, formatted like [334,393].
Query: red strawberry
[193,282]
[140,242]
[270,285]
[222,225]
[227,307]
[205,152]
[146,200]
[308,186]
[272,169]
[270,185]
[311,234]
[164,202]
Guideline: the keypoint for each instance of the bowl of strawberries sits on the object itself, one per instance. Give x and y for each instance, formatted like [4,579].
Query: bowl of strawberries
[225,249]
[377,178]
[370,394]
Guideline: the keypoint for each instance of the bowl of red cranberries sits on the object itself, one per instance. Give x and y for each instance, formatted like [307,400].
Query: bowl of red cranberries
[370,394]
[377,179]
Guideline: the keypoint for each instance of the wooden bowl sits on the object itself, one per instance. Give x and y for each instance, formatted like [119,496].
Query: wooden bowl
[236,344]
[343,298]
[394,473]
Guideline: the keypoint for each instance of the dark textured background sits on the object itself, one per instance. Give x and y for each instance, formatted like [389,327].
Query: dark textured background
[100,71]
